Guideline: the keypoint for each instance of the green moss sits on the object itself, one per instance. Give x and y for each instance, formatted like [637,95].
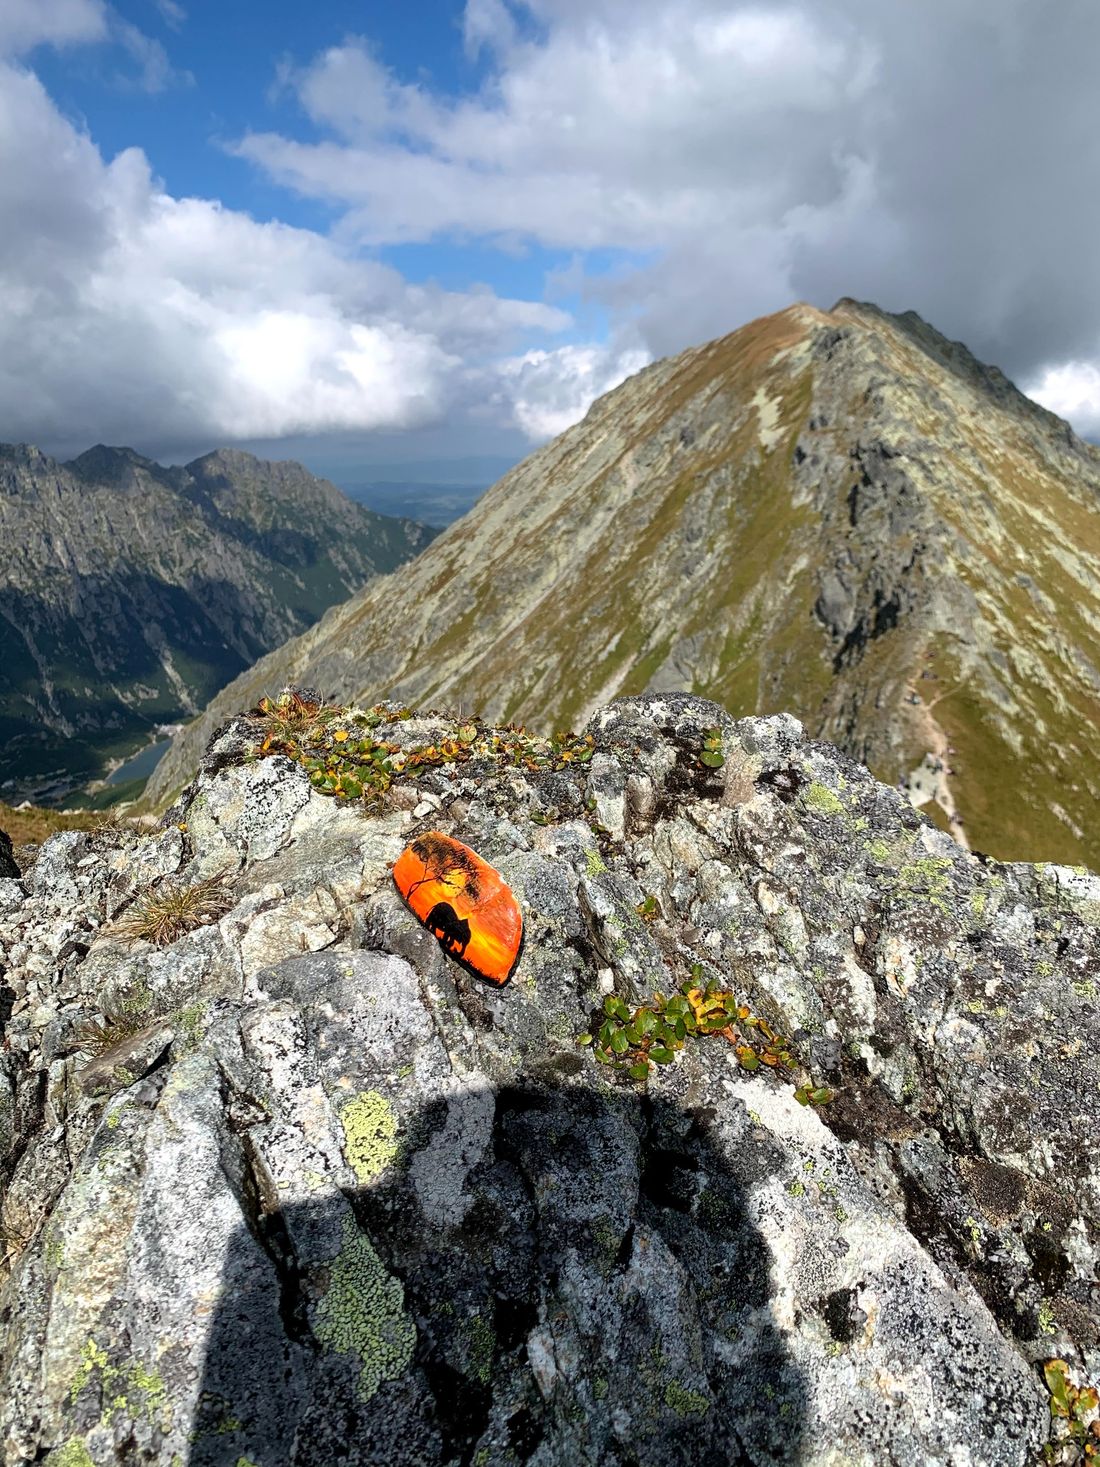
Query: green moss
[825,801]
[363,1314]
[685,1402]
[73,1454]
[369,1131]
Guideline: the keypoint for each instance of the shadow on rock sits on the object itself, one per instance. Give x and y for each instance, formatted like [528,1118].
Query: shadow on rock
[588,1289]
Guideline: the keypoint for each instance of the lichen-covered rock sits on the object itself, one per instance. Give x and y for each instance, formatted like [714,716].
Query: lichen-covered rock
[298,1189]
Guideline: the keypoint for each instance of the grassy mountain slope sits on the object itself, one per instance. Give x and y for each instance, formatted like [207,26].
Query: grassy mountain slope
[840,514]
[130,593]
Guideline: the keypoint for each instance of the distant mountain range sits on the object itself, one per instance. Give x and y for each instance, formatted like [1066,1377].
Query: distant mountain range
[840,514]
[130,593]
[431,504]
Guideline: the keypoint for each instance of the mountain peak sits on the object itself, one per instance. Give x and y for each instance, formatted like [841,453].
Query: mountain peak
[838,514]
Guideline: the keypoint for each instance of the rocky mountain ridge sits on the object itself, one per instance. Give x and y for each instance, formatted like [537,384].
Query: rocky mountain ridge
[130,593]
[839,514]
[294,1188]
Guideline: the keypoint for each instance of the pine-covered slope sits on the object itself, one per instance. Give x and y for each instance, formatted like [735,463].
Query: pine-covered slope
[838,514]
[130,593]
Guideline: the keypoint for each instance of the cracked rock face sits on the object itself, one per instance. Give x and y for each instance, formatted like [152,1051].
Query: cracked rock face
[311,1193]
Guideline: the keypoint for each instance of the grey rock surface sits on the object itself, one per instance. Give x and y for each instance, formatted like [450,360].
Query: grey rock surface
[311,1193]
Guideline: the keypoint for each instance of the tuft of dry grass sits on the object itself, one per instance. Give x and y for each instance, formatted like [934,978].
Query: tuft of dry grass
[172,910]
[95,1036]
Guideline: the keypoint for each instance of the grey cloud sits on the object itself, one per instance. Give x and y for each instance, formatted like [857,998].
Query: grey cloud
[941,156]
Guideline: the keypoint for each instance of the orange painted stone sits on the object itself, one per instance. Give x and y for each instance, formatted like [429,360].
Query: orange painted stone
[463,902]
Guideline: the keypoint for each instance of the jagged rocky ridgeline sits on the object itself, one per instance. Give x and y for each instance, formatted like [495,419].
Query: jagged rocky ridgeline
[837,514]
[296,1188]
[131,592]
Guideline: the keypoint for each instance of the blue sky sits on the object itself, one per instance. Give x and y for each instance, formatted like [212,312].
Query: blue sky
[228,59]
[427,235]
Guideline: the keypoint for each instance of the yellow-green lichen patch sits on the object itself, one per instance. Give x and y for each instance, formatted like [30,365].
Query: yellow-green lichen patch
[131,1388]
[480,1343]
[73,1454]
[926,879]
[363,1314]
[825,801]
[189,1023]
[55,1252]
[685,1402]
[92,1357]
[369,1132]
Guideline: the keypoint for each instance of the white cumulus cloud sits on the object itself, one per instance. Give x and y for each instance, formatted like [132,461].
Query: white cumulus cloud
[128,315]
[551,390]
[1072,390]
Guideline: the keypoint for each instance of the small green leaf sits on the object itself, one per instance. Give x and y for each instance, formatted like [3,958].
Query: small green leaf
[660,1055]
[711,759]
[615,1008]
[584,1038]
[619,1042]
[638,1071]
